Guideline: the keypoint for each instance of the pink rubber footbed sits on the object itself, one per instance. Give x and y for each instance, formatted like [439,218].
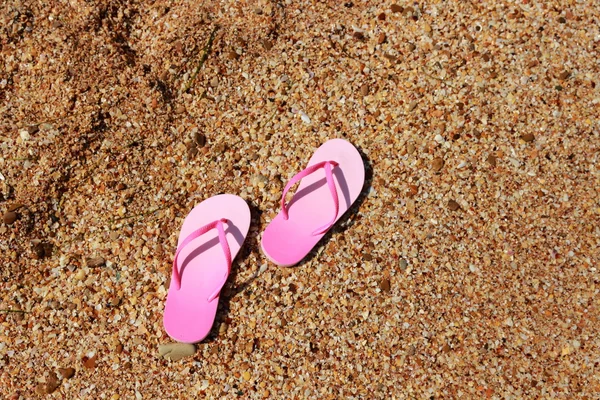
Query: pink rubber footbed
[287,242]
[188,315]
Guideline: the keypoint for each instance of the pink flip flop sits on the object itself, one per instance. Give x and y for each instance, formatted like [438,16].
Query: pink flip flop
[330,184]
[210,238]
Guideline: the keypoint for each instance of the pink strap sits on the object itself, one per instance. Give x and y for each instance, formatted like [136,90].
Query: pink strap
[330,182]
[195,234]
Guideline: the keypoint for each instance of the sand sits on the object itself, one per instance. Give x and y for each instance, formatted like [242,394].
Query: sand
[466,269]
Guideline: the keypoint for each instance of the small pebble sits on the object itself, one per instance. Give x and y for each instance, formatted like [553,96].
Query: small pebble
[437,164]
[410,148]
[364,90]
[95,262]
[52,383]
[180,109]
[249,347]
[232,55]
[412,350]
[381,38]
[176,351]
[403,264]
[413,190]
[119,348]
[411,47]
[24,133]
[267,44]
[14,207]
[223,328]
[564,75]
[491,159]
[381,16]
[33,129]
[66,373]
[411,106]
[453,205]
[384,285]
[214,82]
[396,8]
[359,35]
[528,137]
[9,217]
[390,58]
[90,362]
[304,117]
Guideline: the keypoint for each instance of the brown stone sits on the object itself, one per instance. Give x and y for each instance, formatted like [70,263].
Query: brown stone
[9,217]
[95,262]
[413,190]
[52,384]
[267,44]
[14,207]
[90,362]
[528,137]
[453,205]
[396,8]
[384,285]
[359,35]
[364,90]
[390,58]
[66,373]
[564,75]
[437,164]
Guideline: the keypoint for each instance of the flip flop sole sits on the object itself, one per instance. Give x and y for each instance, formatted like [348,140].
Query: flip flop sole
[188,315]
[287,242]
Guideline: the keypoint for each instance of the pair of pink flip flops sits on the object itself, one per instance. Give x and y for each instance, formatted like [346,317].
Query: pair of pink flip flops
[214,231]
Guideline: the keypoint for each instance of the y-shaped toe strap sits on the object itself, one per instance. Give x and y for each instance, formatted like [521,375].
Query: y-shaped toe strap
[195,234]
[327,165]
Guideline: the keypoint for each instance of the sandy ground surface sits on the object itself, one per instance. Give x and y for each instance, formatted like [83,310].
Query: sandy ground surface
[467,269]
